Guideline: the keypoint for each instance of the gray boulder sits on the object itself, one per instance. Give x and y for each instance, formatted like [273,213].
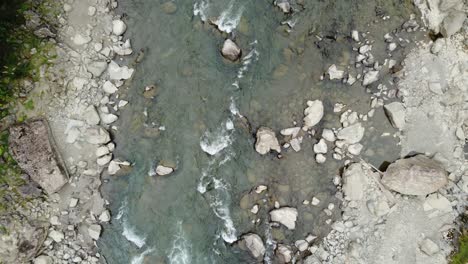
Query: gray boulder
[286,216]
[266,141]
[31,145]
[230,50]
[254,244]
[418,175]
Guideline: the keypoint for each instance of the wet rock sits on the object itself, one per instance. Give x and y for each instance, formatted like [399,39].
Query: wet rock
[266,141]
[351,134]
[396,113]
[230,50]
[118,27]
[113,167]
[321,147]
[169,7]
[286,216]
[150,91]
[254,244]
[259,189]
[94,231]
[284,253]
[164,170]
[283,5]
[429,247]
[354,182]
[453,23]
[32,147]
[105,216]
[418,175]
[370,77]
[119,73]
[334,73]
[313,113]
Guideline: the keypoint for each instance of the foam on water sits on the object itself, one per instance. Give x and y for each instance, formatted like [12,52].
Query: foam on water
[213,143]
[252,56]
[122,210]
[180,251]
[200,9]
[270,245]
[130,234]
[228,20]
[139,259]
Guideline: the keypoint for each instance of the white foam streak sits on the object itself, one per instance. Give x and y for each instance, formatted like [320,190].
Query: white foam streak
[213,143]
[130,234]
[199,9]
[228,20]
[180,252]
[139,259]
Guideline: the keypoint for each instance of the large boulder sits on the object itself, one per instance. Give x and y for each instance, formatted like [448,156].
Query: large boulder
[254,244]
[418,175]
[230,50]
[32,147]
[286,216]
[266,141]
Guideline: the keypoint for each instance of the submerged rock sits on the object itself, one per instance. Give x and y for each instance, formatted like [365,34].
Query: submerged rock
[313,113]
[418,175]
[230,50]
[286,216]
[396,114]
[32,147]
[266,141]
[169,7]
[254,244]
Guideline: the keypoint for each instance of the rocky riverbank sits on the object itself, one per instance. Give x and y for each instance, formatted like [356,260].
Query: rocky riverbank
[79,96]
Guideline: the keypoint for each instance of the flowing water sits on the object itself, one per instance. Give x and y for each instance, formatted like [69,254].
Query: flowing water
[197,122]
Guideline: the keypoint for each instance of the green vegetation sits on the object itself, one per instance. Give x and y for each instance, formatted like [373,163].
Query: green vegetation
[22,56]
[461,257]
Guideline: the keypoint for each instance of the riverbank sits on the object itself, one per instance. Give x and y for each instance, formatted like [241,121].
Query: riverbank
[77,93]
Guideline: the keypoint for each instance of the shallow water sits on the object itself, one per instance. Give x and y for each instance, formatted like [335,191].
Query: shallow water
[195,123]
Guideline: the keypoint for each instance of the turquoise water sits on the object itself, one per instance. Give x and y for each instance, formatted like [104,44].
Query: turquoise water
[197,123]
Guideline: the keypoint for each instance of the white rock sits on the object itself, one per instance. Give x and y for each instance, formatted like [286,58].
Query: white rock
[43,259]
[98,46]
[351,134]
[354,182]
[79,39]
[57,236]
[417,175]
[97,68]
[163,170]
[254,244]
[73,202]
[437,202]
[94,231]
[429,247]
[101,151]
[108,118]
[302,245]
[364,49]
[54,220]
[286,216]
[292,131]
[334,73]
[113,167]
[296,144]
[370,77]
[118,27]
[284,6]
[321,147]
[118,73]
[109,87]
[437,45]
[122,103]
[355,35]
[105,216]
[313,113]
[104,160]
[396,113]
[97,136]
[355,149]
[284,253]
[392,46]
[123,48]
[328,135]
[230,50]
[259,189]
[91,11]
[320,158]
[91,116]
[315,201]
[453,23]
[254,209]
[266,141]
